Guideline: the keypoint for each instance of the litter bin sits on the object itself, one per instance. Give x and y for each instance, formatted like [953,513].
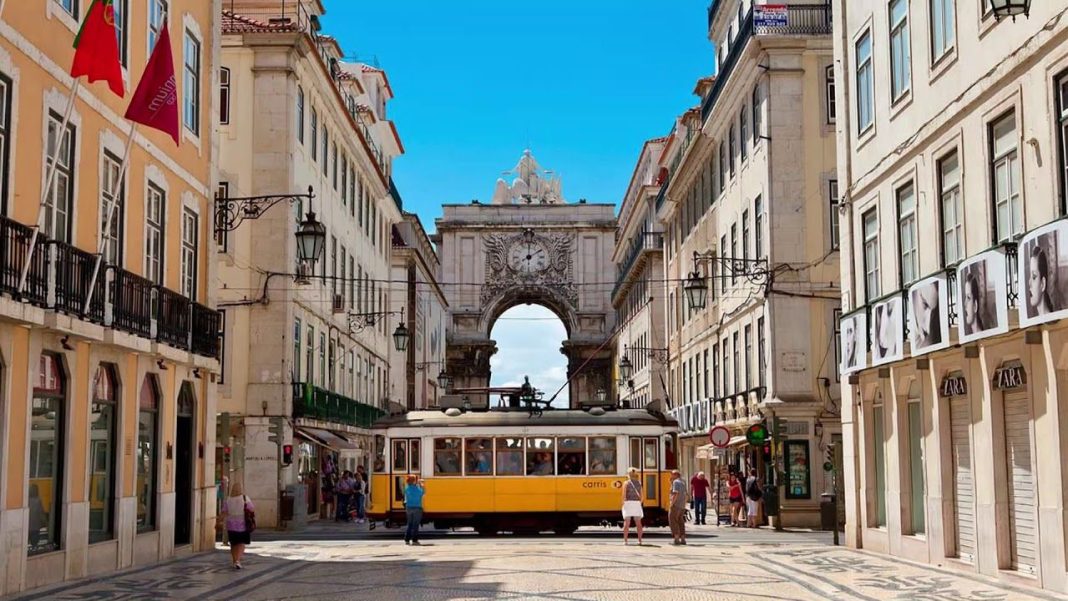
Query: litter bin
[828,512]
[771,500]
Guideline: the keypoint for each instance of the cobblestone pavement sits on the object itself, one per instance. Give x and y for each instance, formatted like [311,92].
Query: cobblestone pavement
[347,562]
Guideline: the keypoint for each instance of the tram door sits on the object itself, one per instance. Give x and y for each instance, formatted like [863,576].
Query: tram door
[645,455]
[405,461]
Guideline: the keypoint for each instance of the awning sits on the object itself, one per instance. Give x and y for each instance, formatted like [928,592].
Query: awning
[326,438]
[736,441]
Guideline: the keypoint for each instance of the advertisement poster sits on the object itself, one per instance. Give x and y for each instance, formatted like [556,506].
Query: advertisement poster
[854,344]
[983,296]
[929,315]
[1043,274]
[887,331]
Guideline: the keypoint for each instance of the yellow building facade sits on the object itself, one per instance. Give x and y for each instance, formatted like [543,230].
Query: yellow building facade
[107,394]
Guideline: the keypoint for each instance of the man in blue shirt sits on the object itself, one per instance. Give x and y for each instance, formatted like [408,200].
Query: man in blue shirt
[413,509]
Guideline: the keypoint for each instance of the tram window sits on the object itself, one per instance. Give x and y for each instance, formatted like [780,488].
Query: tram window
[447,456]
[539,456]
[670,456]
[380,453]
[413,455]
[571,457]
[602,455]
[400,455]
[650,454]
[509,456]
[636,453]
[479,456]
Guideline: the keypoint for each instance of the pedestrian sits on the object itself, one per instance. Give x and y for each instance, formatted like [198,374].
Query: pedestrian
[632,505]
[734,494]
[754,493]
[414,492]
[677,508]
[345,488]
[240,517]
[361,494]
[699,489]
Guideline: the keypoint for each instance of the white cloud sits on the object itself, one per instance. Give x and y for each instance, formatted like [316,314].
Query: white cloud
[528,344]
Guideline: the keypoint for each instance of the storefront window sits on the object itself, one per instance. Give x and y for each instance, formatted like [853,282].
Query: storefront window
[308,471]
[540,457]
[479,456]
[879,454]
[48,423]
[571,457]
[916,484]
[602,455]
[509,456]
[147,453]
[102,455]
[447,456]
[798,470]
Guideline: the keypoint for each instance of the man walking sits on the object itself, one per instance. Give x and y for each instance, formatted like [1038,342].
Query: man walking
[699,489]
[677,513]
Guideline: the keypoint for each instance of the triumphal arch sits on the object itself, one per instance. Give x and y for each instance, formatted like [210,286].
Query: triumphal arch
[529,246]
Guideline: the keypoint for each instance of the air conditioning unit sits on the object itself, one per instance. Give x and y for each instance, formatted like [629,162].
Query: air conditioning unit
[339,303]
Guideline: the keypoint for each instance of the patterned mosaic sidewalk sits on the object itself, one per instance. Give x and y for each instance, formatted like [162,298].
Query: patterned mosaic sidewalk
[594,568]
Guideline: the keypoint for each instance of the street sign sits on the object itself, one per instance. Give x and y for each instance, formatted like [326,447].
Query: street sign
[719,437]
[770,15]
[757,435]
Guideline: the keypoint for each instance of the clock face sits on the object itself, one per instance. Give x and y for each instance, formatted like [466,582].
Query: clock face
[528,257]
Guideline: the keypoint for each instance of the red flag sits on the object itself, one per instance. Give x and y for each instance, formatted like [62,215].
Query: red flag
[97,47]
[155,102]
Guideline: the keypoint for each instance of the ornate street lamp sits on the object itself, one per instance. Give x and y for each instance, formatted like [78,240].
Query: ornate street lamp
[400,338]
[696,291]
[1010,8]
[444,381]
[625,366]
[311,239]
[231,212]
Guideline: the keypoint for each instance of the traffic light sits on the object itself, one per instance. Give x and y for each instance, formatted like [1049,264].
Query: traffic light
[287,454]
[779,428]
[226,454]
[276,428]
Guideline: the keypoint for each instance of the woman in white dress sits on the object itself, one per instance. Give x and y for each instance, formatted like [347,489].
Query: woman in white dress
[632,504]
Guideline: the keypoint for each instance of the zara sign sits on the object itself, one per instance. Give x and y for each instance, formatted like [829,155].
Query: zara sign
[1010,377]
[954,385]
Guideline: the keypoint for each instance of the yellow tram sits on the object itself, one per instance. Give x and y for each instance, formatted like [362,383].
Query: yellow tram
[513,470]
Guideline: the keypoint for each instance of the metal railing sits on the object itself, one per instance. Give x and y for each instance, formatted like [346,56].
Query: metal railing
[643,241]
[130,298]
[172,317]
[72,269]
[313,402]
[14,248]
[205,325]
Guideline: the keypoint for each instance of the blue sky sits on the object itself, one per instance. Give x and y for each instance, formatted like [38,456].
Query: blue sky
[583,83]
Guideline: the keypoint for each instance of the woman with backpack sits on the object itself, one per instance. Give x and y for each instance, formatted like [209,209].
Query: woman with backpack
[753,494]
[240,517]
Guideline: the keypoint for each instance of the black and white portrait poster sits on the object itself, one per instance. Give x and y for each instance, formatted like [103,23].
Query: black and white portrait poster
[887,331]
[854,346]
[928,315]
[982,294]
[1043,274]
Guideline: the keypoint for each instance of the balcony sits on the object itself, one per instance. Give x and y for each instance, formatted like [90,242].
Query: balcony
[58,279]
[801,20]
[644,242]
[312,402]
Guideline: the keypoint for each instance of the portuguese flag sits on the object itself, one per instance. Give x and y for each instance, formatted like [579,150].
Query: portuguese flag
[97,47]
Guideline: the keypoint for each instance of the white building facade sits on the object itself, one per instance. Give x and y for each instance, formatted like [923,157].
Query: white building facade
[952,170]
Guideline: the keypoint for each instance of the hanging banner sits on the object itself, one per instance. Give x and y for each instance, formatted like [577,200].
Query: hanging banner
[887,333]
[929,315]
[1042,276]
[770,15]
[983,295]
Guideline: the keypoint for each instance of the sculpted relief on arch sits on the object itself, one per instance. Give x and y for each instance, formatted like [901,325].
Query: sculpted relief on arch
[530,264]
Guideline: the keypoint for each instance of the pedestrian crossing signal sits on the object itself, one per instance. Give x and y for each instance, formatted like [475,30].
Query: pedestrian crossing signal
[287,454]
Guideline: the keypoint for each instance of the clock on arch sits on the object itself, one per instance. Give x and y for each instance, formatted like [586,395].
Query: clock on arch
[528,256]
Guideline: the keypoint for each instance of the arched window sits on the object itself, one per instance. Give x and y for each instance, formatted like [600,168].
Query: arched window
[48,424]
[102,454]
[147,453]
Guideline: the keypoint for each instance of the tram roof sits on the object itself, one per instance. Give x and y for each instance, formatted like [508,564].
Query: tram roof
[514,417]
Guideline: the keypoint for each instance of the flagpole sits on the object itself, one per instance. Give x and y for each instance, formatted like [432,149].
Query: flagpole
[106,229]
[50,177]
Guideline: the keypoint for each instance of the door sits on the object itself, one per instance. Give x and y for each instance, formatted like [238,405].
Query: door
[183,468]
[645,455]
[405,460]
[963,486]
[1021,483]
[839,480]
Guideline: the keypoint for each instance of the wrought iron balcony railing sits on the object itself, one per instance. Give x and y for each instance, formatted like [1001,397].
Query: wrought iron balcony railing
[643,242]
[313,402]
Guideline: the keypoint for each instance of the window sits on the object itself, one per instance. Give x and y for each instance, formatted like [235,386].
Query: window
[758,227]
[743,133]
[737,375]
[5,139]
[156,203]
[309,356]
[224,96]
[879,456]
[828,82]
[479,456]
[1005,175]
[71,6]
[865,84]
[871,254]
[314,134]
[157,12]
[300,115]
[900,52]
[49,424]
[916,462]
[297,331]
[723,253]
[112,199]
[762,372]
[734,252]
[602,455]
[344,181]
[400,456]
[1062,136]
[748,338]
[745,234]
[221,238]
[540,456]
[331,376]
[322,359]
[510,456]
[733,145]
[119,6]
[943,33]
[102,455]
[333,161]
[727,389]
[190,231]
[798,469]
[326,149]
[906,234]
[191,84]
[58,202]
[571,457]
[447,456]
[722,166]
[147,453]
[832,212]
[758,114]
[715,370]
